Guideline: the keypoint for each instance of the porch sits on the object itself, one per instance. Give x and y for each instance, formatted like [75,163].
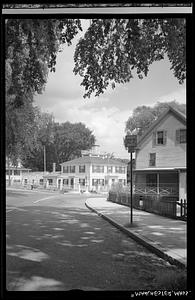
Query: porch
[156,183]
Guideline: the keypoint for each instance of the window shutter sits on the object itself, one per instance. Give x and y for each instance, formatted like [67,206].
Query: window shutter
[154,139]
[165,137]
[177,135]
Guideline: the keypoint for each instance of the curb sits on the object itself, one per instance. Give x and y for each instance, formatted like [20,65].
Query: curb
[139,239]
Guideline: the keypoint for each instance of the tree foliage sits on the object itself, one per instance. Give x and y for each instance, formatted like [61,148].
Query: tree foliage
[114,50]
[143,116]
[31,46]
[31,49]
[63,142]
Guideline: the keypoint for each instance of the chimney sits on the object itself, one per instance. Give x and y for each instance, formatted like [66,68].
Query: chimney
[54,167]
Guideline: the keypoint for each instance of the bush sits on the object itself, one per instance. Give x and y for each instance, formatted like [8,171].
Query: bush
[119,188]
[171,280]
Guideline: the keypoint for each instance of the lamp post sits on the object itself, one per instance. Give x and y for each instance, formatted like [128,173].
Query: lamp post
[130,142]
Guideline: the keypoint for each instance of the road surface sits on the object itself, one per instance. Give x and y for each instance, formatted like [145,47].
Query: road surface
[55,243]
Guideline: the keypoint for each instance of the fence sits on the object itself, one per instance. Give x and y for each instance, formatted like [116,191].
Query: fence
[168,206]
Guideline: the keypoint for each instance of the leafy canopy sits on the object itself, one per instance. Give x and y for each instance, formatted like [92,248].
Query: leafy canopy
[63,142]
[114,50]
[143,116]
[31,47]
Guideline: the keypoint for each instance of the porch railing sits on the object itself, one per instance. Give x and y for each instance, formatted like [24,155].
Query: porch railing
[163,189]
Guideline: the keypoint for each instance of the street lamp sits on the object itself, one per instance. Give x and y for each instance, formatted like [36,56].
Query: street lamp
[130,142]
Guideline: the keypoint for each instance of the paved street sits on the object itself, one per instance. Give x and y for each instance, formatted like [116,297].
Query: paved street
[54,242]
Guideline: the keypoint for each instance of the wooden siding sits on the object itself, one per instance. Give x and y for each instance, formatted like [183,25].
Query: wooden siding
[170,155]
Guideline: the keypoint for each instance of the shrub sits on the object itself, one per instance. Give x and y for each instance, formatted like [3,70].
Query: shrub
[119,188]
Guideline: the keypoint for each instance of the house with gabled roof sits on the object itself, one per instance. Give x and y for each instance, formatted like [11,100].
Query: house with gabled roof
[90,172]
[161,157]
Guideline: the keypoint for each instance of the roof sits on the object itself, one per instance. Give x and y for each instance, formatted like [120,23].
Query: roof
[179,115]
[160,169]
[94,160]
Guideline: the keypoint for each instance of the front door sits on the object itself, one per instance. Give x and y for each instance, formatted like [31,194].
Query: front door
[72,183]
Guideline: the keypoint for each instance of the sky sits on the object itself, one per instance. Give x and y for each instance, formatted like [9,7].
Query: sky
[107,114]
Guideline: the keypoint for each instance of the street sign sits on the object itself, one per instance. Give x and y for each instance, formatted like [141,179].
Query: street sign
[131,142]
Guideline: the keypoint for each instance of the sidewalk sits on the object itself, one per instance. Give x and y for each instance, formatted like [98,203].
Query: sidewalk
[164,236]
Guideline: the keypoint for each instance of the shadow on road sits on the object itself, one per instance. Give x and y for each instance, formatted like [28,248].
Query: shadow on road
[51,248]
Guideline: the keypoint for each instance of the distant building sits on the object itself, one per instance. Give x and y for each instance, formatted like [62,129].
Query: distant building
[161,157]
[34,179]
[15,173]
[90,172]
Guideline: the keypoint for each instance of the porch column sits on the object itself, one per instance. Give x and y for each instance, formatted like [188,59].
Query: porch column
[61,184]
[47,183]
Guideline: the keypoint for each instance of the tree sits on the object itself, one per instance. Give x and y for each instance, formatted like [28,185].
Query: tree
[70,139]
[113,50]
[63,142]
[33,157]
[144,116]
[21,131]
[31,46]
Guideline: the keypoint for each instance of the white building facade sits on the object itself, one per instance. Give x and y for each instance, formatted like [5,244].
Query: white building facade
[161,157]
[88,173]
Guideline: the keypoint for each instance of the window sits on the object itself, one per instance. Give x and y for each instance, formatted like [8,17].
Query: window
[41,181]
[50,181]
[72,169]
[122,181]
[96,182]
[65,169]
[181,136]
[152,160]
[65,181]
[17,172]
[82,181]
[82,169]
[97,169]
[7,172]
[120,170]
[159,137]
[109,169]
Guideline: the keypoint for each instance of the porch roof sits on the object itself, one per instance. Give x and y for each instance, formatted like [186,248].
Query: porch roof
[160,169]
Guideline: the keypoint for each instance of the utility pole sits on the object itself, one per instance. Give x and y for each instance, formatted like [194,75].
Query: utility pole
[44,157]
[131,188]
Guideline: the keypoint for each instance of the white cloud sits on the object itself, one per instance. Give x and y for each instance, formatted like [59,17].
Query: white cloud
[179,96]
[107,124]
